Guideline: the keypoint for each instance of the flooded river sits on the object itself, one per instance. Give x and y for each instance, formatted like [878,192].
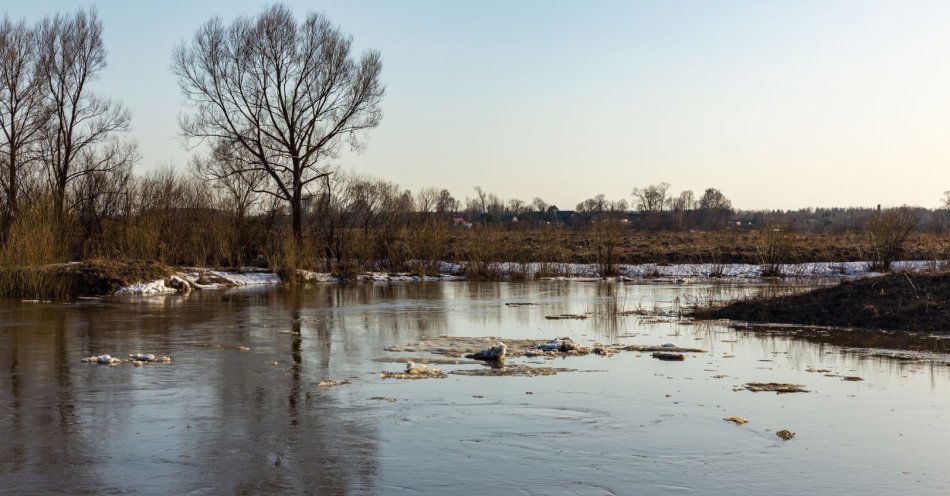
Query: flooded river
[222,419]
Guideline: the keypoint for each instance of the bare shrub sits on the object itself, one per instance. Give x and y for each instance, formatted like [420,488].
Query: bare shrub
[886,233]
[426,241]
[604,239]
[773,248]
[719,246]
[478,252]
[551,253]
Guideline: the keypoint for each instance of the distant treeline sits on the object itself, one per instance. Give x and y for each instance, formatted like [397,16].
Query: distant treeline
[654,207]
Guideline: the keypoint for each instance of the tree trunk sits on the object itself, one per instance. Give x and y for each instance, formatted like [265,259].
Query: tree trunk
[6,222]
[59,203]
[296,216]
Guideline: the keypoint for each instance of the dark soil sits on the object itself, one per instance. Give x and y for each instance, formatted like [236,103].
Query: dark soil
[901,302]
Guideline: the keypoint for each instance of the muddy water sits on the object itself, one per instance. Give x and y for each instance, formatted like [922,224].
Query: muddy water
[222,421]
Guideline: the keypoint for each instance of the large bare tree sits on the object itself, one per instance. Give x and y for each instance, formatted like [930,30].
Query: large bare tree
[288,94]
[81,135]
[652,198]
[21,114]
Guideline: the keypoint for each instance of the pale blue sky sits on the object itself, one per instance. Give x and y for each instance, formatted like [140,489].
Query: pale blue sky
[779,104]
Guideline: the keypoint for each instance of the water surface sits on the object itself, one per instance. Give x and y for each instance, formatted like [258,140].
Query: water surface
[223,421]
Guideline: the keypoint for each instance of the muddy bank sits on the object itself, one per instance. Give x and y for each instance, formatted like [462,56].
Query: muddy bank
[426,360]
[414,371]
[777,388]
[903,302]
[511,371]
[459,346]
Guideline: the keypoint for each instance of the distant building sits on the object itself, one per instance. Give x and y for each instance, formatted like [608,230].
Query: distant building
[564,215]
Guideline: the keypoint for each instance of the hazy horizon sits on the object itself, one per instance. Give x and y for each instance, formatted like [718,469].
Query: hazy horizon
[779,105]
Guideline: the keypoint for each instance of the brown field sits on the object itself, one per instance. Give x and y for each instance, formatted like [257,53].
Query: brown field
[567,245]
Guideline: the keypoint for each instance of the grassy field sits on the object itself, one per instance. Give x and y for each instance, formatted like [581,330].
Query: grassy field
[564,245]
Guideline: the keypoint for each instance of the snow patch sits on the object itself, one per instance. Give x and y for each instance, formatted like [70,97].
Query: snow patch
[147,288]
[196,278]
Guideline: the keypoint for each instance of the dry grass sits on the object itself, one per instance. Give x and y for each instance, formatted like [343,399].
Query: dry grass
[68,281]
[724,247]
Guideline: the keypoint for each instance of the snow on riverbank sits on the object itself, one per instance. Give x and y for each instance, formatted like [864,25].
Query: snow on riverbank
[194,278]
[147,288]
[309,276]
[680,271]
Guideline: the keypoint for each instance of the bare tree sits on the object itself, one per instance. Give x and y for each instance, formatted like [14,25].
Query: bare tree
[539,205]
[427,200]
[713,199]
[344,202]
[480,203]
[80,135]
[652,198]
[886,234]
[21,114]
[97,196]
[682,205]
[599,207]
[446,203]
[592,208]
[239,191]
[617,209]
[517,207]
[715,206]
[289,94]
[686,201]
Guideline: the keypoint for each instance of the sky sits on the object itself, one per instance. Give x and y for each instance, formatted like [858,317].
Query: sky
[778,104]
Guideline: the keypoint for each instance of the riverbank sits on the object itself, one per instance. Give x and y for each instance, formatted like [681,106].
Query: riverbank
[188,279]
[77,279]
[905,301]
[135,277]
